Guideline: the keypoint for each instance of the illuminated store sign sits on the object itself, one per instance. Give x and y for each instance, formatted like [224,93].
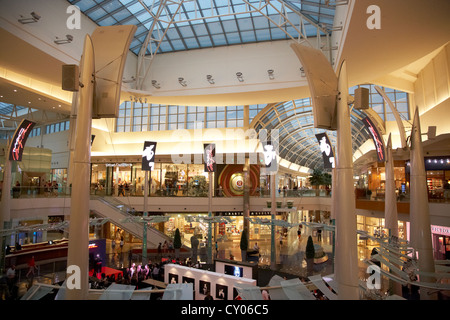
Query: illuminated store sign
[377,139]
[148,156]
[119,164]
[19,140]
[209,156]
[270,157]
[326,149]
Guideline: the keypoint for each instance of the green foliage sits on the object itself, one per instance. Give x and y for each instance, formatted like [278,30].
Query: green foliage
[244,240]
[316,179]
[310,252]
[198,187]
[177,239]
[319,178]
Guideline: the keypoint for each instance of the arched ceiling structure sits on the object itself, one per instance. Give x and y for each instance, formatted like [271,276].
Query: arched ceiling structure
[297,142]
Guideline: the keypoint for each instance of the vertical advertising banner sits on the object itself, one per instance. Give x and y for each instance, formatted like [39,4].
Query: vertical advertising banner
[19,140]
[326,149]
[377,139]
[148,156]
[270,157]
[209,156]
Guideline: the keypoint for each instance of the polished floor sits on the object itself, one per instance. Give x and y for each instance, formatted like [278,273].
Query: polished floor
[289,257]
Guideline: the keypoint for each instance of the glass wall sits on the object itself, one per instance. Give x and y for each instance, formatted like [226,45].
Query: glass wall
[137,117]
[128,179]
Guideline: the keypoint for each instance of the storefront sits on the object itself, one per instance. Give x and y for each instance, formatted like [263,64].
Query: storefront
[375,179]
[128,179]
[438,177]
[441,242]
[375,227]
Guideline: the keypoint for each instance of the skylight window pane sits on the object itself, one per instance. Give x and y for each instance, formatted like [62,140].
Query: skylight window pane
[144,16]
[245,24]
[248,36]
[85,5]
[263,35]
[233,38]
[97,14]
[230,26]
[191,43]
[121,15]
[219,39]
[125,2]
[205,41]
[178,45]
[186,32]
[215,27]
[172,34]
[260,22]
[112,6]
[200,30]
[109,21]
[135,8]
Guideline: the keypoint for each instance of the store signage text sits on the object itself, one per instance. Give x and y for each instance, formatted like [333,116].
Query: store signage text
[440,230]
[119,164]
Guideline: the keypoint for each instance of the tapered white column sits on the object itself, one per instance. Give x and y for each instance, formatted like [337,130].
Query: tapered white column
[346,259]
[78,251]
[419,209]
[390,204]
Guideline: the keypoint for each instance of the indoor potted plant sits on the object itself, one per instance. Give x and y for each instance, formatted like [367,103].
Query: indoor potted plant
[310,253]
[177,243]
[244,245]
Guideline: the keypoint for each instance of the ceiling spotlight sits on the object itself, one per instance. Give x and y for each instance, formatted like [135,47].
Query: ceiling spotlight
[133,79]
[182,82]
[210,79]
[34,18]
[270,72]
[239,76]
[302,72]
[155,84]
[68,39]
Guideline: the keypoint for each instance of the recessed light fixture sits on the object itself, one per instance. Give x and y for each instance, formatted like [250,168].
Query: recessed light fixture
[156,84]
[34,18]
[182,82]
[68,39]
[15,90]
[210,79]
[239,76]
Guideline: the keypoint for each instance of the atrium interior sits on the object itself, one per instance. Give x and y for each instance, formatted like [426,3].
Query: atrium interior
[226,150]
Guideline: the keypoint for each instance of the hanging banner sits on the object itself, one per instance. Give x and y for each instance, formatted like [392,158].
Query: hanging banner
[148,156]
[19,140]
[270,157]
[377,139]
[326,149]
[209,156]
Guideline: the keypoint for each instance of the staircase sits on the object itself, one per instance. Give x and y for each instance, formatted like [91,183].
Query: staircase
[116,211]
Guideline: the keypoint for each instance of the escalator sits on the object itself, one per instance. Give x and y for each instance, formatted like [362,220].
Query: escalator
[116,212]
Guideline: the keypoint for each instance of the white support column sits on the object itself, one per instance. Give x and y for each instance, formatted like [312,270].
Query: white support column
[419,209]
[390,204]
[78,251]
[346,259]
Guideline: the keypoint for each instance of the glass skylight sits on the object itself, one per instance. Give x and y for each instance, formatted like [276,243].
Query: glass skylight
[209,23]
